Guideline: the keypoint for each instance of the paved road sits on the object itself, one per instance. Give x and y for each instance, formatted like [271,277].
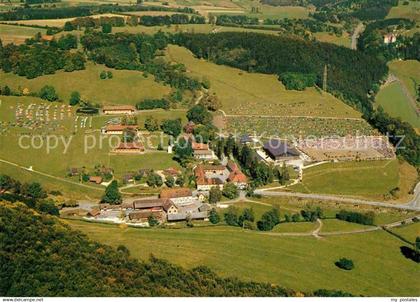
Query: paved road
[413,205]
[356,34]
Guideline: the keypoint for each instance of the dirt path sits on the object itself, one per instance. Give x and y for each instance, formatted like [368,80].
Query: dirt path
[356,34]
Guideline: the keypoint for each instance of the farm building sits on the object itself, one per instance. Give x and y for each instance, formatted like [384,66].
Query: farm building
[279,150]
[129,148]
[121,109]
[202,151]
[118,129]
[177,195]
[96,179]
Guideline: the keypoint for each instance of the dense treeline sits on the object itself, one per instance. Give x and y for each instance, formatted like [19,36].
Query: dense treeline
[372,40]
[152,104]
[351,75]
[172,19]
[356,217]
[36,58]
[236,20]
[32,194]
[401,134]
[41,256]
[301,27]
[336,11]
[25,13]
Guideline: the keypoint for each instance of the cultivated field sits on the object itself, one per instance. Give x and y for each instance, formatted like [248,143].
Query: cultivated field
[302,263]
[297,126]
[257,94]
[370,179]
[126,86]
[17,34]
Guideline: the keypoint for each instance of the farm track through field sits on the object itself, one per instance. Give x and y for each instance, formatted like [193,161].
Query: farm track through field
[50,176]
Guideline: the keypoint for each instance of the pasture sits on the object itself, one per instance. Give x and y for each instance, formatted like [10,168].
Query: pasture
[344,40]
[126,86]
[241,92]
[17,34]
[368,179]
[408,72]
[409,11]
[301,263]
[396,104]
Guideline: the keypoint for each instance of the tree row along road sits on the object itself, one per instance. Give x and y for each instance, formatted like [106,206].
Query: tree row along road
[413,205]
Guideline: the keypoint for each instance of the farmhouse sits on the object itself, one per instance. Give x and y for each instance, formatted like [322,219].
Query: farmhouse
[118,129]
[129,148]
[390,38]
[209,176]
[96,179]
[202,151]
[279,150]
[121,109]
[47,38]
[236,176]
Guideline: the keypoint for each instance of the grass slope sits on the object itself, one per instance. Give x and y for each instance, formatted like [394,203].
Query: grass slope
[395,102]
[303,263]
[126,87]
[366,179]
[17,34]
[252,93]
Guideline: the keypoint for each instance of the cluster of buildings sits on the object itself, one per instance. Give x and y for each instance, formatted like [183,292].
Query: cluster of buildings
[173,204]
[209,176]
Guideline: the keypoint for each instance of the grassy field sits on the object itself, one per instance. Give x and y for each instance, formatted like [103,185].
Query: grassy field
[344,40]
[365,179]
[335,225]
[298,227]
[410,11]
[17,34]
[302,263]
[126,86]
[395,102]
[393,98]
[407,72]
[251,93]
[54,22]
[409,232]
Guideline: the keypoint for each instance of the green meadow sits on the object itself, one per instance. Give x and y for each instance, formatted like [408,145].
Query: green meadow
[301,263]
[395,102]
[370,179]
[126,87]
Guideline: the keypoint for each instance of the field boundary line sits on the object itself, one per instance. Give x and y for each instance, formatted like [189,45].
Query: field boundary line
[49,175]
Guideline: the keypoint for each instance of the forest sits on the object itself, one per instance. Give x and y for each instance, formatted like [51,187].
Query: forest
[36,250]
[36,58]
